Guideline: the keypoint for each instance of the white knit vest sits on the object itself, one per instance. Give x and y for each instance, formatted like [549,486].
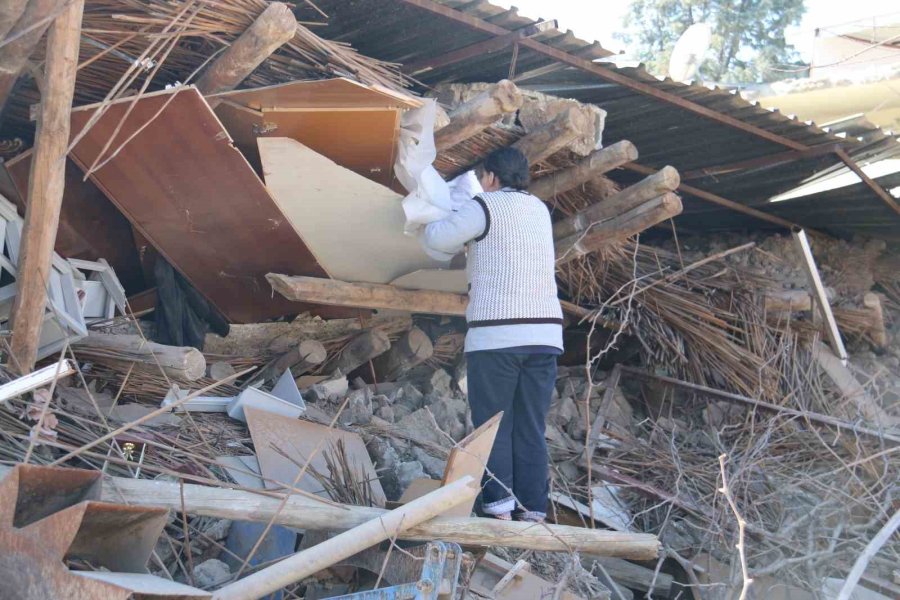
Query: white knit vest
[511,266]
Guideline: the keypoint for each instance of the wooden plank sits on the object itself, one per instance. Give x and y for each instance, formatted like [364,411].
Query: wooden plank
[469,457]
[818,289]
[45,186]
[360,139]
[326,94]
[523,585]
[197,201]
[352,225]
[275,436]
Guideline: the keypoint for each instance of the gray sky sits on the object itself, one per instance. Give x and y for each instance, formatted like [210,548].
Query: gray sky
[600,19]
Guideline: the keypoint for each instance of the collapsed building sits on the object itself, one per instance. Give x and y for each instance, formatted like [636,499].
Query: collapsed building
[237,354]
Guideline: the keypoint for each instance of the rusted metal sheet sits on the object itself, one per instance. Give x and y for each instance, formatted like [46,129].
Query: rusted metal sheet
[188,190]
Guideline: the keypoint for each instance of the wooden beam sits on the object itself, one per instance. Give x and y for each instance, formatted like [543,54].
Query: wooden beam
[274,27]
[715,199]
[302,512]
[660,183]
[479,113]
[413,348]
[367,295]
[46,182]
[617,228]
[593,165]
[879,191]
[479,49]
[554,136]
[14,55]
[606,73]
[178,362]
[818,289]
[361,349]
[769,160]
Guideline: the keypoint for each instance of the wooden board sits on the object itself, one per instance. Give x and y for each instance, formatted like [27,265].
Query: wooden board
[362,140]
[90,226]
[469,457]
[321,93]
[185,187]
[525,585]
[352,225]
[437,280]
[298,439]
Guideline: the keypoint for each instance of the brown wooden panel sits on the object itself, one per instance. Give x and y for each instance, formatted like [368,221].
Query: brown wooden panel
[362,140]
[189,191]
[90,227]
[327,93]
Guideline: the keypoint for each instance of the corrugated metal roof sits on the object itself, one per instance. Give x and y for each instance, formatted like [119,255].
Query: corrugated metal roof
[665,134]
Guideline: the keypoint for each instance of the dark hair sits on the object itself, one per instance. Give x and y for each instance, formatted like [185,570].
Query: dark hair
[510,166]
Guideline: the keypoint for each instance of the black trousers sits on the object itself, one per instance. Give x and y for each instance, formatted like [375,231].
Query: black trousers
[520,385]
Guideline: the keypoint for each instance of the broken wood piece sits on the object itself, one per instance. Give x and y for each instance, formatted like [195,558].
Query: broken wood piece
[14,54]
[593,165]
[618,228]
[634,576]
[348,543]
[178,362]
[274,27]
[40,378]
[413,348]
[361,349]
[283,445]
[300,359]
[660,183]
[469,457]
[48,168]
[554,136]
[501,580]
[815,282]
[366,295]
[479,113]
[850,388]
[792,300]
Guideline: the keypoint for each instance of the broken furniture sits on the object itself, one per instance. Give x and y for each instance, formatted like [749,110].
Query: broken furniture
[98,289]
[63,317]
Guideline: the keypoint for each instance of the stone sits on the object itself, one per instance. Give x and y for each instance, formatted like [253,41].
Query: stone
[440,383]
[420,426]
[359,409]
[386,459]
[449,414]
[461,376]
[220,370]
[218,529]
[409,471]
[329,389]
[211,573]
[407,395]
[386,413]
[433,466]
[79,400]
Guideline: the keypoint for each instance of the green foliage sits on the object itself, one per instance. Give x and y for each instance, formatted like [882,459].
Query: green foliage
[748,42]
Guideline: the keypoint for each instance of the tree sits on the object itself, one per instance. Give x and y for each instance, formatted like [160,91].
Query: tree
[748,43]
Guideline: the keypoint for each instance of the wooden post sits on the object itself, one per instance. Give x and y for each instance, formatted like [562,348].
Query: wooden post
[14,55]
[412,349]
[554,136]
[344,545]
[184,363]
[658,184]
[366,295]
[274,27]
[45,186]
[361,349]
[618,228]
[593,165]
[479,113]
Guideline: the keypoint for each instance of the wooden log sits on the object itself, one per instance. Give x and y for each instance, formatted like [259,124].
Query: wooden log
[302,512]
[344,545]
[478,114]
[593,165]
[274,27]
[10,12]
[554,136]
[15,54]
[618,228]
[411,349]
[662,182]
[877,330]
[184,363]
[46,182]
[367,295]
[361,349]
[300,359]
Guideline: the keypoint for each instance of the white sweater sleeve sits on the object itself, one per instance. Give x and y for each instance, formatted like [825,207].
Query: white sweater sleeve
[451,234]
